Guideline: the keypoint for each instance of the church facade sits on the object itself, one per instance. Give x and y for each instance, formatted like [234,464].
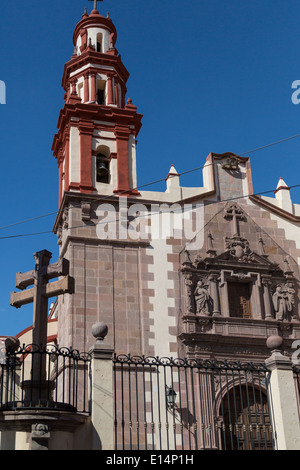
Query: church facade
[206,272]
[176,287]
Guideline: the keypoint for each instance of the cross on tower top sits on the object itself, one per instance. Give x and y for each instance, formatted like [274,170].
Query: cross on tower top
[95,3]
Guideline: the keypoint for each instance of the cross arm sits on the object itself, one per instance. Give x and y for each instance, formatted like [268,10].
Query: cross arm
[60,268]
[63,286]
[17,299]
[24,280]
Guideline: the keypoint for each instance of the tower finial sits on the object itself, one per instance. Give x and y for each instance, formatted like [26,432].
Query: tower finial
[95,3]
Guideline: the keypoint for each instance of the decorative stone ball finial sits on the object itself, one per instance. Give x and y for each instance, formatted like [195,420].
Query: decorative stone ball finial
[12,344]
[99,331]
[274,343]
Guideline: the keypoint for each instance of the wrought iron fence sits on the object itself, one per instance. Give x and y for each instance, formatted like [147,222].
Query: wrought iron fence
[49,378]
[296,372]
[180,404]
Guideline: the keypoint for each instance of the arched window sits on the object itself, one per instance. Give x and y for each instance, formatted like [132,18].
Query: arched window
[99,42]
[102,168]
[80,90]
[101,91]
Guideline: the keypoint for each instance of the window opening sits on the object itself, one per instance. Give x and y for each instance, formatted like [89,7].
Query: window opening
[239,299]
[102,169]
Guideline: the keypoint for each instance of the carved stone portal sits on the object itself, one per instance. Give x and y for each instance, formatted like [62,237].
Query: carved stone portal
[238,282]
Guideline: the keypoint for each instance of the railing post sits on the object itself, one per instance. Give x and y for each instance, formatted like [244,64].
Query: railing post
[12,372]
[101,391]
[282,394]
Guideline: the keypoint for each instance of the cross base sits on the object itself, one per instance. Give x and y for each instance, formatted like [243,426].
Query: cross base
[37,392]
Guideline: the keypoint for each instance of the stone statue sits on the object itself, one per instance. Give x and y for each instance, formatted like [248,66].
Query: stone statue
[283,301]
[290,297]
[202,299]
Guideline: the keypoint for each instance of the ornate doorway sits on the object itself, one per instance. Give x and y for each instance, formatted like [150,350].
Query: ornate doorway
[246,420]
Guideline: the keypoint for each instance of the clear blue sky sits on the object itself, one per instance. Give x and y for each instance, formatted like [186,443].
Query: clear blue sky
[208,75]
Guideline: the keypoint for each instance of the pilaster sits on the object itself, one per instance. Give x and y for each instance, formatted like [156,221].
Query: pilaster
[86,129]
[282,393]
[102,409]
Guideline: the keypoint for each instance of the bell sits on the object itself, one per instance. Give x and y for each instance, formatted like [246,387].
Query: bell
[101,169]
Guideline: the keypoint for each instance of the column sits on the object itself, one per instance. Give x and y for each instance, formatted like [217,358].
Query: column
[214,291]
[93,87]
[282,397]
[189,288]
[122,138]
[68,92]
[86,129]
[86,88]
[267,299]
[102,394]
[117,101]
[110,95]
[60,162]
[224,294]
[67,157]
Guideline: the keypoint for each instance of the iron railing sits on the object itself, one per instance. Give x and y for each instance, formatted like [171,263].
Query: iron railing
[296,372]
[49,378]
[180,404]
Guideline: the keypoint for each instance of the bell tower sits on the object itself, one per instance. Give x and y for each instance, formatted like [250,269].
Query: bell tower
[95,145]
[95,148]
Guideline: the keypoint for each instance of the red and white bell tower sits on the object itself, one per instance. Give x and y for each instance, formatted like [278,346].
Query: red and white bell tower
[95,148]
[95,145]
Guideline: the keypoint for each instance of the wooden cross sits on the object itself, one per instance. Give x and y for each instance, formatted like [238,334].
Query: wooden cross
[42,291]
[95,3]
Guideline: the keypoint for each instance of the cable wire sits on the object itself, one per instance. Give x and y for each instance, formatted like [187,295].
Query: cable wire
[145,185]
[123,220]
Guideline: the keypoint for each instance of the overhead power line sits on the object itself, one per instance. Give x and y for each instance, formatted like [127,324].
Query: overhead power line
[151,183]
[123,219]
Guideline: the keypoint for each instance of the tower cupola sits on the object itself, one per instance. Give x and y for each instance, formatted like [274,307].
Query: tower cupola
[95,146]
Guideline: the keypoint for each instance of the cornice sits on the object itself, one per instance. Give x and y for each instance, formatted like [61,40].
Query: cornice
[91,112]
[95,58]
[275,209]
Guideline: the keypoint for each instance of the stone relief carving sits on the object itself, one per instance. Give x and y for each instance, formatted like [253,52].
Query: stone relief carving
[59,235]
[85,211]
[230,163]
[189,288]
[202,299]
[284,301]
[239,248]
[65,218]
[207,275]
